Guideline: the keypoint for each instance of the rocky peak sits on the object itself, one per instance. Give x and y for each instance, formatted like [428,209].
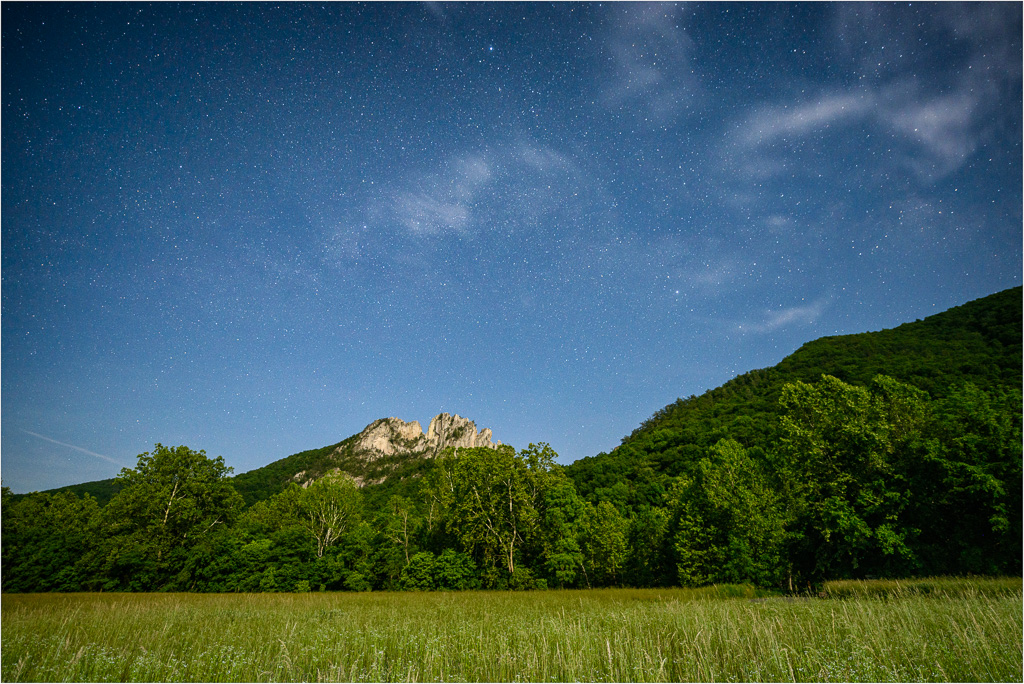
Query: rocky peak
[447,430]
[390,436]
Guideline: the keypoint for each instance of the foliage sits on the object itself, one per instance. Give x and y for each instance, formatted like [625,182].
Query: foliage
[603,531]
[168,504]
[44,538]
[822,468]
[845,449]
[490,499]
[330,507]
[730,525]
[968,483]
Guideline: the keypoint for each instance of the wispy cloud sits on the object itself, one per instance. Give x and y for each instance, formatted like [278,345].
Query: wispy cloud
[793,121]
[780,318]
[539,203]
[511,186]
[779,224]
[437,10]
[979,31]
[932,135]
[713,274]
[945,127]
[651,61]
[444,200]
[425,214]
[72,446]
[928,125]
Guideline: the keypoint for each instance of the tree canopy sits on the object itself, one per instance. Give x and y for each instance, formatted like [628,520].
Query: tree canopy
[822,467]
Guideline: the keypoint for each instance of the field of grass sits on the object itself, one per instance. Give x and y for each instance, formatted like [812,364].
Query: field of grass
[926,630]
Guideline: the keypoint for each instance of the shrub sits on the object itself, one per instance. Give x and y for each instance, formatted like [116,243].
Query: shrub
[455,570]
[419,573]
[523,579]
[355,581]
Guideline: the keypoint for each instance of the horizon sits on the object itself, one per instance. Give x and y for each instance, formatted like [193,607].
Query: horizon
[253,230]
[421,424]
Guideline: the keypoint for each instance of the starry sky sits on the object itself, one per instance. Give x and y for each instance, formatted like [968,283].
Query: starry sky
[253,229]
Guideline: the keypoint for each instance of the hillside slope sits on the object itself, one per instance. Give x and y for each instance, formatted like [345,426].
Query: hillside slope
[386,449]
[978,342]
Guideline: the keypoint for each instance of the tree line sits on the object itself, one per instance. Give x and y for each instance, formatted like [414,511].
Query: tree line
[874,480]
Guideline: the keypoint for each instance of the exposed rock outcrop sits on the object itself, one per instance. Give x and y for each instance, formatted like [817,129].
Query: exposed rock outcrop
[386,448]
[391,436]
[447,430]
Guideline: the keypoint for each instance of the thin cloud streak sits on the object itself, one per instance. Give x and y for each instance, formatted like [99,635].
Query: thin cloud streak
[937,133]
[787,316]
[72,446]
[785,121]
[511,184]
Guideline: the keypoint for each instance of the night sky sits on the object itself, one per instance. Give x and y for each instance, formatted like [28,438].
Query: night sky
[254,229]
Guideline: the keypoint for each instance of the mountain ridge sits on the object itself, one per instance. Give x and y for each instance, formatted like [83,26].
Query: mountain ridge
[829,465]
[387,447]
[978,342]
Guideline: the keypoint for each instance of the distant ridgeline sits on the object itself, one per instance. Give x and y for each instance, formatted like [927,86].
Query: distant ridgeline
[387,449]
[883,454]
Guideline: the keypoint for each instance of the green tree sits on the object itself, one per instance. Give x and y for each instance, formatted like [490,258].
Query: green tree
[844,453]
[561,522]
[168,503]
[271,515]
[331,506]
[418,574]
[647,555]
[604,544]
[488,498]
[968,484]
[560,517]
[400,525]
[455,571]
[355,553]
[398,532]
[730,526]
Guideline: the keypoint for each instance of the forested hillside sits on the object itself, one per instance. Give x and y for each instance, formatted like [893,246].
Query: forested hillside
[885,454]
[978,343]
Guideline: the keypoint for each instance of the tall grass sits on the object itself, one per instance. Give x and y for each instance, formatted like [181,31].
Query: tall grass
[937,586]
[714,634]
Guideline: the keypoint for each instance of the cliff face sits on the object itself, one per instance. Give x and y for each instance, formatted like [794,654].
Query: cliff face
[390,436]
[447,430]
[393,436]
[390,444]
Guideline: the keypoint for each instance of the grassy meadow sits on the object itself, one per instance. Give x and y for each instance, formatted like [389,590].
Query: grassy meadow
[923,630]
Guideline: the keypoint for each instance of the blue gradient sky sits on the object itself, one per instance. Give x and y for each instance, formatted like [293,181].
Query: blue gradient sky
[254,229]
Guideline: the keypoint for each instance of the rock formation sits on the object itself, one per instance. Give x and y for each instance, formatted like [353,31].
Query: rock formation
[447,430]
[391,436]
[386,448]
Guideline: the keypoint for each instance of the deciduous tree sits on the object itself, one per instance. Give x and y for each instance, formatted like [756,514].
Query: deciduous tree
[166,504]
[330,506]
